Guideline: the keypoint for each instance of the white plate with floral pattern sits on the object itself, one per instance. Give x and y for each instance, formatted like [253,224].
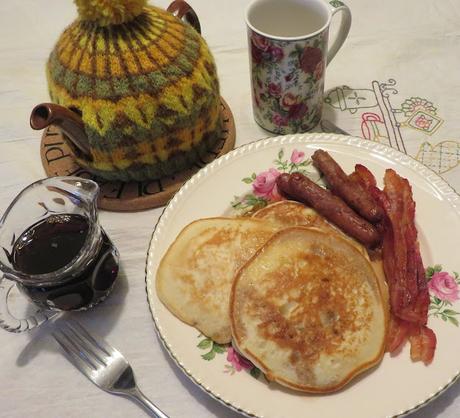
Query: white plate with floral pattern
[245,177]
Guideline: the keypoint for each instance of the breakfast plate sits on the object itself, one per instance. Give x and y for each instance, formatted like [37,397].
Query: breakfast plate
[243,179]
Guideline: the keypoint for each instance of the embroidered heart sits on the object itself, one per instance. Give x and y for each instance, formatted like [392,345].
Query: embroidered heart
[441,157]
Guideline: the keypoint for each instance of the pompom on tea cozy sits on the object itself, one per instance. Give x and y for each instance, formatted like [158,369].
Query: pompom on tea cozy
[145,84]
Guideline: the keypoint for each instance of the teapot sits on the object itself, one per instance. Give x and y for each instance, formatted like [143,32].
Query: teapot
[134,90]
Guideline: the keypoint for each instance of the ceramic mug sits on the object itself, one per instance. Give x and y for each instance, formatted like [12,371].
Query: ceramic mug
[288,48]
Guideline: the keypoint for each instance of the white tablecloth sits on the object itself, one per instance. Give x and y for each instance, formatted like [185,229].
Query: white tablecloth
[396,80]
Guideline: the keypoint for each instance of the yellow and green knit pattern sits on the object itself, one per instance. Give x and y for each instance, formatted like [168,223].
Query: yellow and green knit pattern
[147,90]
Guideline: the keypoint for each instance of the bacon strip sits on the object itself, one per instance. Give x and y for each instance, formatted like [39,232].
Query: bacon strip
[404,271]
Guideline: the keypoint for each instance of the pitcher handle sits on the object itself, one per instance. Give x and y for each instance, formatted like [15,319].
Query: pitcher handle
[182,10]
[12,324]
[338,7]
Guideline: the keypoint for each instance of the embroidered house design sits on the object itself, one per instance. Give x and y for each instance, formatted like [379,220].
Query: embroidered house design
[383,121]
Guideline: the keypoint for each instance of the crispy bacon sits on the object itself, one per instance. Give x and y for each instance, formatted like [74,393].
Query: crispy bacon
[401,254]
[402,261]
[398,331]
[422,344]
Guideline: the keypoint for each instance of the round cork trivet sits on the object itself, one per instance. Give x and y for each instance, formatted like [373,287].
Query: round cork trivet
[58,160]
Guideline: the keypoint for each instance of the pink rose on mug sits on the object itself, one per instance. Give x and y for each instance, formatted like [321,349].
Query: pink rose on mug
[319,70]
[274,89]
[260,42]
[279,120]
[288,100]
[265,184]
[294,106]
[310,58]
[276,53]
[444,287]
[298,111]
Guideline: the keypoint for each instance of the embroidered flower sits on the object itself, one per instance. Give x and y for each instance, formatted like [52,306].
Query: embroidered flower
[237,361]
[444,287]
[274,89]
[423,123]
[265,184]
[297,156]
[310,58]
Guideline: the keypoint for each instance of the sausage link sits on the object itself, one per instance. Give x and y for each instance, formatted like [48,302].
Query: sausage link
[351,192]
[334,209]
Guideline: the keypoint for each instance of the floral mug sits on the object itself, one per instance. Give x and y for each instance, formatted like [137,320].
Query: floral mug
[288,48]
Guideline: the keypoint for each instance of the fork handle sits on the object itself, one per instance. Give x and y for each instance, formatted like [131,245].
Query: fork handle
[137,395]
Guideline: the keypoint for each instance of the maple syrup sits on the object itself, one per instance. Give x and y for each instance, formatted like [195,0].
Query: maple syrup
[53,243]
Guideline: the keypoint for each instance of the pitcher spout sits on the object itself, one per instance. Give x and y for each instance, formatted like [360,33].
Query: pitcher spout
[69,122]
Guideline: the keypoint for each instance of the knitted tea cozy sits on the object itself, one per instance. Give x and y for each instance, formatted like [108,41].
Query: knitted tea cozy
[145,83]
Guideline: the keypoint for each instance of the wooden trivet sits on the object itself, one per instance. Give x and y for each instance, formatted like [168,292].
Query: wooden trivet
[58,160]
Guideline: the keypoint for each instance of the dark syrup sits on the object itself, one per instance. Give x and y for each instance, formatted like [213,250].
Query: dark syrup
[53,243]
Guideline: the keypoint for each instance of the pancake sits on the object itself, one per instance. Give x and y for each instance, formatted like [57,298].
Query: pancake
[286,213]
[195,276]
[289,213]
[307,309]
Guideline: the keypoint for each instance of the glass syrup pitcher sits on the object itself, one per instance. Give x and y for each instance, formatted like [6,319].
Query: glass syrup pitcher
[54,251]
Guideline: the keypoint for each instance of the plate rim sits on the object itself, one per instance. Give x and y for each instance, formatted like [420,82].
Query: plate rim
[407,160]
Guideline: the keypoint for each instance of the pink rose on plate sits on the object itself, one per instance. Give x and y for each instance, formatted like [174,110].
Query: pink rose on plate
[279,120]
[274,89]
[265,184]
[237,361]
[444,287]
[297,156]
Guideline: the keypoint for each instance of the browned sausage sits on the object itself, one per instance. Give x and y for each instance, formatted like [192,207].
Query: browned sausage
[283,184]
[333,208]
[351,192]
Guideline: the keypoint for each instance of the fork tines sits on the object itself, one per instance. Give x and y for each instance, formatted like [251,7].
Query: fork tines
[85,352]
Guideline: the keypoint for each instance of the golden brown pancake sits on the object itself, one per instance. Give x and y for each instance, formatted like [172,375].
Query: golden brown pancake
[286,213]
[289,213]
[196,273]
[307,309]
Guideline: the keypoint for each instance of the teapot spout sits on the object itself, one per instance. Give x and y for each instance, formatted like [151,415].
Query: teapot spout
[68,121]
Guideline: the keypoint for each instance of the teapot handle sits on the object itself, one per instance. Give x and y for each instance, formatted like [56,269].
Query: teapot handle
[182,10]
[12,324]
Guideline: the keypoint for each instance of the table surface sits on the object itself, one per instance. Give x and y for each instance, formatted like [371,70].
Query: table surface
[395,80]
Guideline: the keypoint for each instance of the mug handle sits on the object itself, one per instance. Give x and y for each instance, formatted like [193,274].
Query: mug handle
[12,324]
[338,7]
[182,10]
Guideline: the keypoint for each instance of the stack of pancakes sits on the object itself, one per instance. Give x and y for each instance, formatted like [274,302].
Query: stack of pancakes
[293,294]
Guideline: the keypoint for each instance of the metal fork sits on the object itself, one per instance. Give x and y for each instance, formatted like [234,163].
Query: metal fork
[104,365]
